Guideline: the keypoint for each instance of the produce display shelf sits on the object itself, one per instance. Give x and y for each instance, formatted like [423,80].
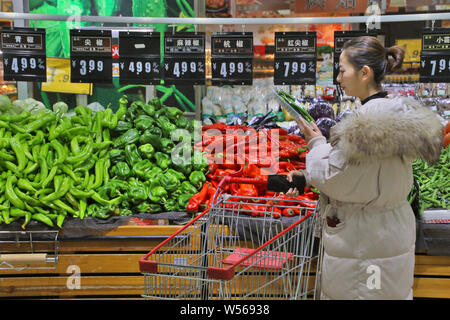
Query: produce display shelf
[436,216]
[109,269]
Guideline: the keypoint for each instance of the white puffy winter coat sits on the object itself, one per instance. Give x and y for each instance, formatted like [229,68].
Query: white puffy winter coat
[364,176]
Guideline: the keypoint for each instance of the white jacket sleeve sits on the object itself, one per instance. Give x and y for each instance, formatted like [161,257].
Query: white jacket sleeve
[326,170]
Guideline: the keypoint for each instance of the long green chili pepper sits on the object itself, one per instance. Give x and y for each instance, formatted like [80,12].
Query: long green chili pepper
[64,206]
[26,185]
[61,153]
[98,174]
[42,218]
[10,194]
[60,219]
[20,154]
[17,212]
[26,220]
[82,208]
[37,124]
[67,170]
[83,155]
[26,198]
[71,199]
[31,167]
[50,177]
[80,193]
[37,139]
[59,192]
[6,156]
[44,168]
[44,191]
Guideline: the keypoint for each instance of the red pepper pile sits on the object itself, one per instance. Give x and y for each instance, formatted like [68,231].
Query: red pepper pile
[241,151]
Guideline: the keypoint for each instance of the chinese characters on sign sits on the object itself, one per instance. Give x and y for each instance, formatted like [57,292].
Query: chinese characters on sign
[435,56]
[436,42]
[91,44]
[24,57]
[91,56]
[295,58]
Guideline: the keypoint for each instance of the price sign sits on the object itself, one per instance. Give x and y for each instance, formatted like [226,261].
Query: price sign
[435,56]
[184,58]
[58,78]
[91,56]
[340,37]
[295,58]
[24,57]
[139,57]
[232,58]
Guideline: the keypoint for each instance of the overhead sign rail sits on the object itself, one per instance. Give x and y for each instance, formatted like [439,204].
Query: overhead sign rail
[222,21]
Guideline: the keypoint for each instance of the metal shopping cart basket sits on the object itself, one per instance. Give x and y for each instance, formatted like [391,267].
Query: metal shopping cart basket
[231,252]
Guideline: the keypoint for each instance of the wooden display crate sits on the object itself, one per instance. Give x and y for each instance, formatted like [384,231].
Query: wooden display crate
[109,268]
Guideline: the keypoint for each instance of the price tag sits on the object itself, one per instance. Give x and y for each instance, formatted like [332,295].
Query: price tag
[435,56]
[24,57]
[295,58]
[232,58]
[340,37]
[139,57]
[91,56]
[184,58]
[58,78]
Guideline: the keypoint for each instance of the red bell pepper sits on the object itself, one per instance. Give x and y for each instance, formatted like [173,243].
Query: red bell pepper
[247,190]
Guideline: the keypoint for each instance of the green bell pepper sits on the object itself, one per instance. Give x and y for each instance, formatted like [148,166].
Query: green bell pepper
[171,205]
[187,187]
[129,137]
[154,173]
[166,145]
[116,155]
[157,193]
[152,136]
[132,155]
[180,176]
[146,150]
[142,168]
[156,103]
[183,201]
[96,211]
[182,123]
[166,126]
[144,122]
[121,170]
[122,127]
[138,193]
[169,181]
[149,109]
[197,178]
[173,113]
[163,160]
[149,207]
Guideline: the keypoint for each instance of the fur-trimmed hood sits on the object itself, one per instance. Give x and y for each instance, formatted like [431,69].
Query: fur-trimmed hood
[389,127]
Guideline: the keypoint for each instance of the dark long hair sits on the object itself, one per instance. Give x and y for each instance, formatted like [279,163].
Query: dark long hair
[368,51]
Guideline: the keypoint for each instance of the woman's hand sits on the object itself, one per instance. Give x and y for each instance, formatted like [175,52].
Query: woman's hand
[307,131]
[293,192]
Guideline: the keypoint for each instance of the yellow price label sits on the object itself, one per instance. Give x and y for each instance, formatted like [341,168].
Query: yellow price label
[412,49]
[58,78]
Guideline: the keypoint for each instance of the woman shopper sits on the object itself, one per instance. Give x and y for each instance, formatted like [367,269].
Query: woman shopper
[364,175]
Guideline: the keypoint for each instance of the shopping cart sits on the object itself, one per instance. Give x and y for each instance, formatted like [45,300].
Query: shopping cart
[231,252]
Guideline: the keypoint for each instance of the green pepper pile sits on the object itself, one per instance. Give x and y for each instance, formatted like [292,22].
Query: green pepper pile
[53,165]
[433,181]
[148,168]
[96,164]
